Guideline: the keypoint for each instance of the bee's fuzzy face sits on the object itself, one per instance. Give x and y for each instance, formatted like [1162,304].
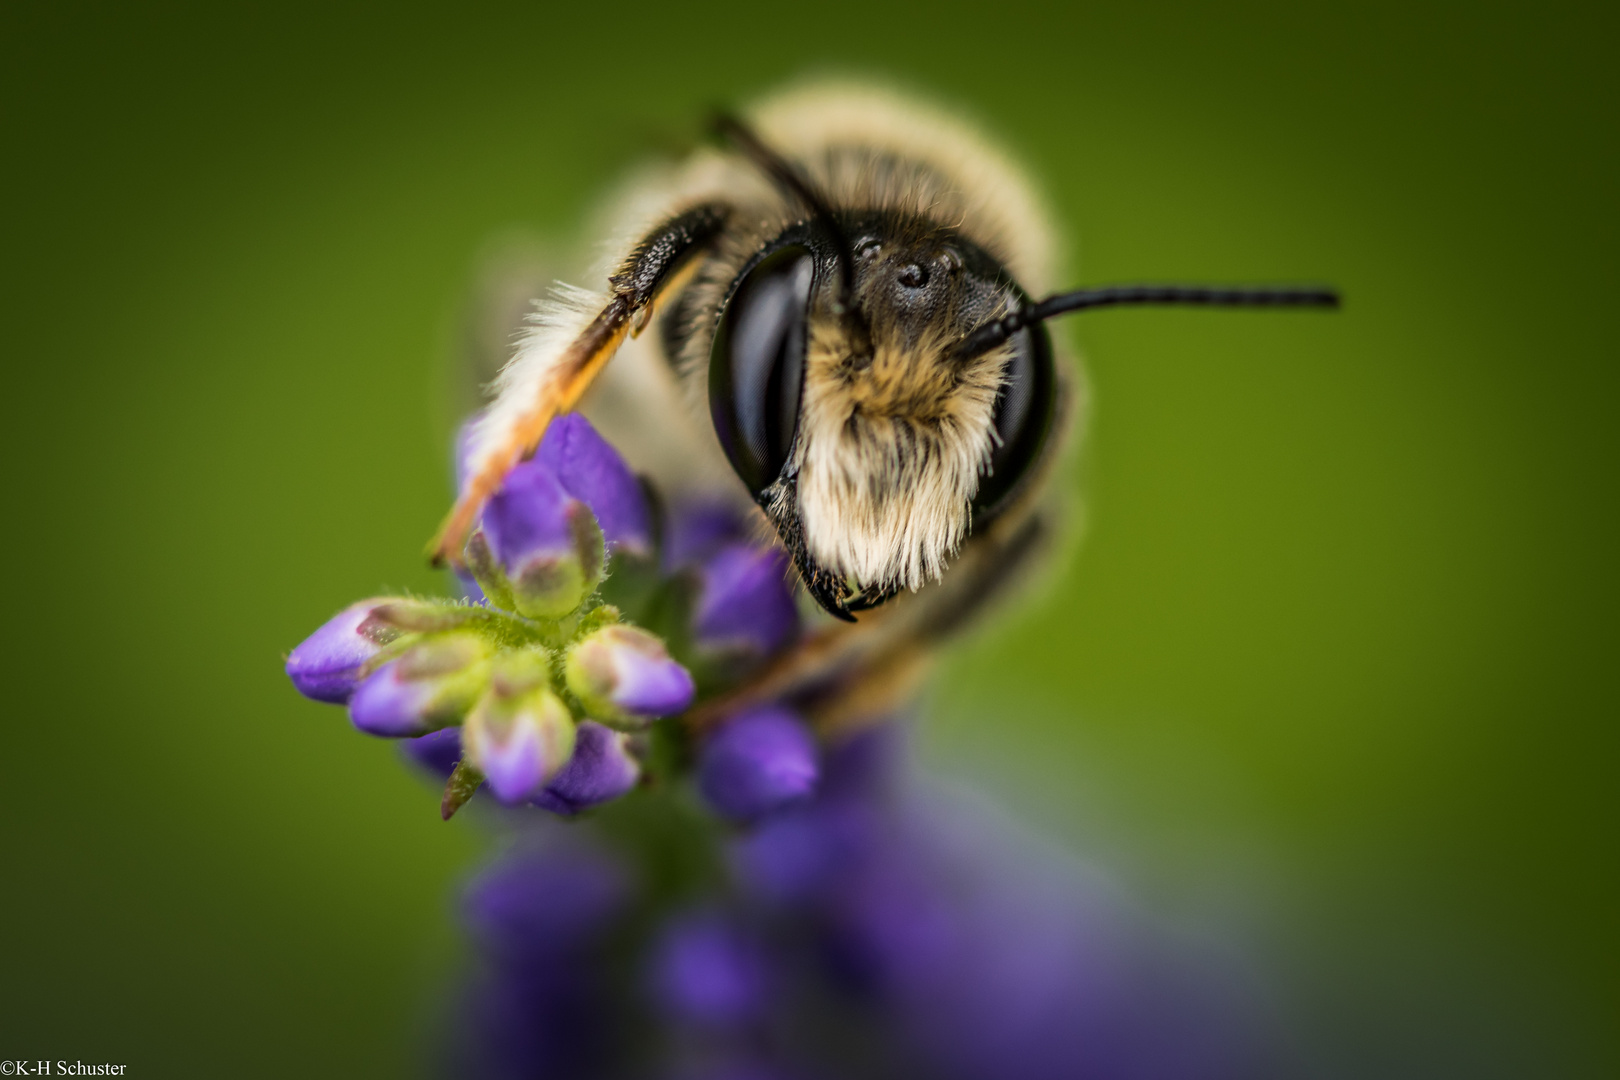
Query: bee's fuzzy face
[893,439]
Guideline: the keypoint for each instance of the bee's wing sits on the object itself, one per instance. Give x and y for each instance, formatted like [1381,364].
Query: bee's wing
[576,333]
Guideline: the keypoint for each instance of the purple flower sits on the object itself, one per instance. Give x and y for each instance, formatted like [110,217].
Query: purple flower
[519,740]
[431,685]
[546,542]
[437,751]
[545,901]
[745,605]
[593,472]
[542,1009]
[624,676]
[762,760]
[326,665]
[797,856]
[705,970]
[697,529]
[807,852]
[602,769]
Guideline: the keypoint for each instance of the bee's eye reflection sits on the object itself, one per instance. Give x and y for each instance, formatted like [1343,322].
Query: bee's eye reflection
[756,370]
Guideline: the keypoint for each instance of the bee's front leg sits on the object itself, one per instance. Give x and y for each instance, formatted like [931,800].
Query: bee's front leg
[552,371]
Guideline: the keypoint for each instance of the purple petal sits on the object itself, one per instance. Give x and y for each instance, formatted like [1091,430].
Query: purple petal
[696,530]
[528,517]
[540,902]
[623,671]
[760,761]
[651,685]
[437,752]
[326,665]
[516,766]
[601,769]
[519,743]
[746,603]
[706,971]
[386,704]
[796,857]
[593,472]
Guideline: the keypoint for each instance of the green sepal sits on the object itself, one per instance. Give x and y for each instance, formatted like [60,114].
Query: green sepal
[487,572]
[520,671]
[464,780]
[596,618]
[456,664]
[404,621]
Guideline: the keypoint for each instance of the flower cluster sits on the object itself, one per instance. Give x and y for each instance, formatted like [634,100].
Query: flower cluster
[876,928]
[543,688]
[776,902]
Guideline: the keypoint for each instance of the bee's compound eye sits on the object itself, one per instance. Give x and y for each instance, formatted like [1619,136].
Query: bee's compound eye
[756,370]
[1023,418]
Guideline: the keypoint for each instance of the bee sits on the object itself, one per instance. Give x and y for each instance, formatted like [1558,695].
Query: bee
[847,339]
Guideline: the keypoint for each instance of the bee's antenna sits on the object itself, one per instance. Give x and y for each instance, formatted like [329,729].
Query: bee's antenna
[991,334]
[787,176]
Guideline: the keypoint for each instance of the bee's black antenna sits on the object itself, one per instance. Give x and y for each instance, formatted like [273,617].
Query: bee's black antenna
[991,334]
[787,176]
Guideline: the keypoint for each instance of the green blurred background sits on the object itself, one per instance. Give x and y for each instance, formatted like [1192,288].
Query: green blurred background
[1333,672]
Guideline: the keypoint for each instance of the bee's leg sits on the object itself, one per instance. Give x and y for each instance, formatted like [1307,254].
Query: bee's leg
[537,386]
[848,673]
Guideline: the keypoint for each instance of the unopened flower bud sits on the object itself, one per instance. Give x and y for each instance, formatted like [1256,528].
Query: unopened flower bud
[762,760]
[624,676]
[326,666]
[429,686]
[546,542]
[592,471]
[519,735]
[745,605]
[707,971]
[602,769]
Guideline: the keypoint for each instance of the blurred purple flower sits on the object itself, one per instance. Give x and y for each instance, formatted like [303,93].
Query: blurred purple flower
[745,603]
[759,761]
[973,952]
[437,751]
[326,665]
[696,529]
[593,472]
[541,1010]
[602,769]
[794,857]
[542,901]
[800,855]
[706,970]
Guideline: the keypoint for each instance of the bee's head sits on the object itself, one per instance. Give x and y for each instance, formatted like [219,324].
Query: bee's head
[842,399]
[882,385]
